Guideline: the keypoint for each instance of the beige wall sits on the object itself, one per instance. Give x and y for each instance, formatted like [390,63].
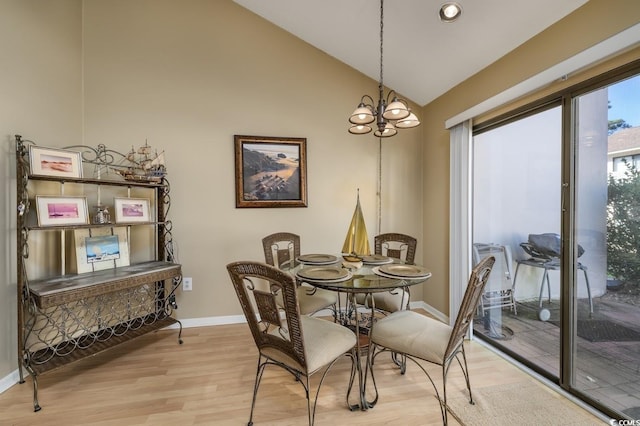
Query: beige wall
[189,75]
[186,76]
[41,99]
[595,21]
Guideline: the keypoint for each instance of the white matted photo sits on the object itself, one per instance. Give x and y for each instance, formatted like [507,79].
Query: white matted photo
[55,162]
[101,248]
[131,210]
[57,211]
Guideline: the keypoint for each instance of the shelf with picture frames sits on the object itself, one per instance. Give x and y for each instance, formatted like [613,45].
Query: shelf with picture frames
[89,282]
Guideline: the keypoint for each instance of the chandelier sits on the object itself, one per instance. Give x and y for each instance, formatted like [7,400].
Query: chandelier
[391,112]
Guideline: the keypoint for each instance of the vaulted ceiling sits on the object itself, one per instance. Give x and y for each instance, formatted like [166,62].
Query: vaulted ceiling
[423,57]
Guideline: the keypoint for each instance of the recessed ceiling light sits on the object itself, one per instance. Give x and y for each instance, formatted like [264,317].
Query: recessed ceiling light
[449,12]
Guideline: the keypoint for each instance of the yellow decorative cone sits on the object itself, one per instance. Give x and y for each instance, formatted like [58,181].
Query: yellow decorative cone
[357,241]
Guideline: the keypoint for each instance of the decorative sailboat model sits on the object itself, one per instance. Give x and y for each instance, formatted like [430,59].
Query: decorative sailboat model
[356,244]
[142,165]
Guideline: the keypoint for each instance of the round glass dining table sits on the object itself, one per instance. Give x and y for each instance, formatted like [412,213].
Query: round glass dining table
[381,274]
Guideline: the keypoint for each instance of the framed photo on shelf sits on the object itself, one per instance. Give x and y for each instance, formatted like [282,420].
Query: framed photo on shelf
[270,171]
[55,162]
[101,248]
[56,211]
[131,210]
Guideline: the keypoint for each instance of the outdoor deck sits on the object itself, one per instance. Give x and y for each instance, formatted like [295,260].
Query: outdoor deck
[608,346]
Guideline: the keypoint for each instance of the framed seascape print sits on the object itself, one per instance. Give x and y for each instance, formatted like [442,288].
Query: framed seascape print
[56,211]
[55,162]
[131,210]
[101,248]
[271,171]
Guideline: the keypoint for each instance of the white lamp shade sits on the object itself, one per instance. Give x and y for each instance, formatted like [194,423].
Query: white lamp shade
[396,111]
[362,115]
[388,131]
[359,129]
[409,122]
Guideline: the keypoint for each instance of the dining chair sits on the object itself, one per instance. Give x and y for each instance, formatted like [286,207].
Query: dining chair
[418,337]
[398,246]
[281,250]
[302,345]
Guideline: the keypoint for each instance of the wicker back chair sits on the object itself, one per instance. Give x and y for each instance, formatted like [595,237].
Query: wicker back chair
[398,246]
[281,250]
[301,345]
[418,337]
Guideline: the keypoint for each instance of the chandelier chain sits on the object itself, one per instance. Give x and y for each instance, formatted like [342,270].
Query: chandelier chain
[381,39]
[390,113]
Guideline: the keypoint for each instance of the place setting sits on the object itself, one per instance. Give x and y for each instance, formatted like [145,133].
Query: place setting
[399,271]
[317,259]
[376,259]
[325,274]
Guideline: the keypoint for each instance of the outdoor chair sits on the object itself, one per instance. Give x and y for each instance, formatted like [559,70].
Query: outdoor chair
[281,250]
[544,252]
[500,290]
[418,337]
[300,344]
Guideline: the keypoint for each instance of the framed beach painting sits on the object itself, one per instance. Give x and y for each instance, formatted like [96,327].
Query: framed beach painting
[101,248]
[131,210]
[270,171]
[55,162]
[56,211]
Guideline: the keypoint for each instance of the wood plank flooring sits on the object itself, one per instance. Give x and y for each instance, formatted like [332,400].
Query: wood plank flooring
[209,380]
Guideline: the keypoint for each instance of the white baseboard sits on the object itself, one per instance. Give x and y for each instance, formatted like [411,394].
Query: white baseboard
[8,381]
[14,377]
[431,310]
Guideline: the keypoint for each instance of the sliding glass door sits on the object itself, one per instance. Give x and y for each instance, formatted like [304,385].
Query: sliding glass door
[606,365]
[516,198]
[556,198]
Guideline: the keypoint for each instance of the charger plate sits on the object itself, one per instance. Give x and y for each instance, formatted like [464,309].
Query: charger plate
[317,259]
[324,274]
[376,259]
[405,271]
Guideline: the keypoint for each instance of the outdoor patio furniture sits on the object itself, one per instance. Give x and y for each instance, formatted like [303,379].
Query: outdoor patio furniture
[500,290]
[544,252]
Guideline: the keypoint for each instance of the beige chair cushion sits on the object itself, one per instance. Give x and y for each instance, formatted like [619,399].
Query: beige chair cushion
[324,341]
[413,334]
[311,299]
[388,301]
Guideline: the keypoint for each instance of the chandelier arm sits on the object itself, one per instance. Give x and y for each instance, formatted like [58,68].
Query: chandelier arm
[391,95]
[370,105]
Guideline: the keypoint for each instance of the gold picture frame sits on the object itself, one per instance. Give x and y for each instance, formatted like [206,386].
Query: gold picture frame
[270,171]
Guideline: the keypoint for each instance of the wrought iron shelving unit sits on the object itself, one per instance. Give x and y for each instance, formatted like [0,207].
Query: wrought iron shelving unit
[64,318]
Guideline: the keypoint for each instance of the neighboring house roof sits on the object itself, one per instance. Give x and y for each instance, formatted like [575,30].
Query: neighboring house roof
[624,141]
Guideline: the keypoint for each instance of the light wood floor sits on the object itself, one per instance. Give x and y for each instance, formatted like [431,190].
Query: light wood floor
[209,379]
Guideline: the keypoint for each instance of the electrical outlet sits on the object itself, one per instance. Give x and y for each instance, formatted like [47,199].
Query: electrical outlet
[187,284]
